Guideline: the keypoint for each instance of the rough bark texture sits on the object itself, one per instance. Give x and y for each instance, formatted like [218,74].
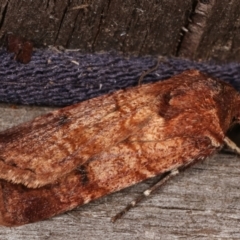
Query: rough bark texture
[214,32]
[194,29]
[201,203]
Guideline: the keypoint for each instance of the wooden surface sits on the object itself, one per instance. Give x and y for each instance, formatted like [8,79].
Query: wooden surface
[201,203]
[198,29]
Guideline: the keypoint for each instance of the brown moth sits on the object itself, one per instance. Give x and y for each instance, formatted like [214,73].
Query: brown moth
[82,152]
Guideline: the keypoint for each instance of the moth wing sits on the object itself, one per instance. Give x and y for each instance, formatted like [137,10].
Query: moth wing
[160,146]
[41,151]
[186,128]
[173,127]
[142,155]
[130,163]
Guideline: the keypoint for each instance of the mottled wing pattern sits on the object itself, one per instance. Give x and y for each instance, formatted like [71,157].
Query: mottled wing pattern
[41,151]
[105,144]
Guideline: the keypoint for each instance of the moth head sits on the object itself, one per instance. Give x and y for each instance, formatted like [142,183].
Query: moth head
[233,130]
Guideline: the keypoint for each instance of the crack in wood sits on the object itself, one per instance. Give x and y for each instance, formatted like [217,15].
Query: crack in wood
[3,14]
[102,17]
[128,26]
[193,33]
[73,29]
[62,20]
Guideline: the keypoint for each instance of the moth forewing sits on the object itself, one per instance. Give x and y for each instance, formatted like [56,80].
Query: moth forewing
[79,153]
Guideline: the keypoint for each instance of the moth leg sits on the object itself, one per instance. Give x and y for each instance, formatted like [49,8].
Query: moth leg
[231,145]
[146,193]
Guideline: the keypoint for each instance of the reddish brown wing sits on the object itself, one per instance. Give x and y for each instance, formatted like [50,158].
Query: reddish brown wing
[144,119]
[41,151]
[120,167]
[190,127]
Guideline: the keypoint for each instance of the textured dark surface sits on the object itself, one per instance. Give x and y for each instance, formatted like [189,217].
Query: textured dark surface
[55,78]
[207,29]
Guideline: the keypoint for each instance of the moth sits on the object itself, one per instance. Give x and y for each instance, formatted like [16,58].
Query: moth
[21,48]
[79,153]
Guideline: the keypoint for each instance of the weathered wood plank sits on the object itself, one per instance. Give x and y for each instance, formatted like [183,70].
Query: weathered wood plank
[213,32]
[140,27]
[201,203]
[194,29]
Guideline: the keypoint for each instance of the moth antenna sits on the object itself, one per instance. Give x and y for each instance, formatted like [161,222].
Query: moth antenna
[231,145]
[160,59]
[145,194]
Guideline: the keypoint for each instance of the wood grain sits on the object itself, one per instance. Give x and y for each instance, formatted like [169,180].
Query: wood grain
[210,27]
[201,203]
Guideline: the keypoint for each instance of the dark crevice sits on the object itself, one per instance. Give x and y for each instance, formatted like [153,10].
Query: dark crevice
[182,209]
[98,30]
[73,30]
[48,3]
[3,14]
[188,17]
[50,6]
[143,42]
[151,22]
[61,22]
[100,24]
[127,31]
[108,6]
[234,133]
